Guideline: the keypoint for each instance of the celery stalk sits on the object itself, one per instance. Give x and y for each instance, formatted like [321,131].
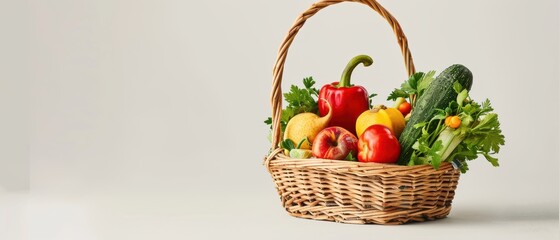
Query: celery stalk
[450,138]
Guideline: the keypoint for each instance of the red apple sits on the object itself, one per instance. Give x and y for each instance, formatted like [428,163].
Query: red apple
[334,143]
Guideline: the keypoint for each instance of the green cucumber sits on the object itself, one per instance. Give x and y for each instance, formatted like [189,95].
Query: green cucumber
[438,95]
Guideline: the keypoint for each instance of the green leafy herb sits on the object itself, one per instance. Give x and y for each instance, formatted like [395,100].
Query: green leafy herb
[298,100]
[371,96]
[414,86]
[289,145]
[397,93]
[479,134]
[350,157]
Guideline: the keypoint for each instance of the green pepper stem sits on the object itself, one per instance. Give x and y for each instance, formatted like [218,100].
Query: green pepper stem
[346,75]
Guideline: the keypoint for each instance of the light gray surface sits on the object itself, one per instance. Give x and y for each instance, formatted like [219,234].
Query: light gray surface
[167,216]
[143,119]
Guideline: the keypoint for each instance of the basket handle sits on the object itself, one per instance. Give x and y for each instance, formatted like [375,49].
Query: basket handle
[276,96]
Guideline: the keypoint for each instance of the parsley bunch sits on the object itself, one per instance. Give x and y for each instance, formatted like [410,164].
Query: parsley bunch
[299,100]
[414,87]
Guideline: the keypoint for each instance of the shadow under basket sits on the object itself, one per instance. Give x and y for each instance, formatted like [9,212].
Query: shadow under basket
[352,192]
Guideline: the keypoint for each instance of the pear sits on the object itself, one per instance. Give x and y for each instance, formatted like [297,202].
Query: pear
[306,125]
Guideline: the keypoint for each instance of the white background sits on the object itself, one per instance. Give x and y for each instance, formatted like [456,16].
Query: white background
[143,119]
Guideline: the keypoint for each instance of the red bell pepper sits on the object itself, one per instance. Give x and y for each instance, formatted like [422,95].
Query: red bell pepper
[378,144]
[347,101]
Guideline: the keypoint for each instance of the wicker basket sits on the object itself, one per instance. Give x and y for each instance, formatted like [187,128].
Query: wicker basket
[353,192]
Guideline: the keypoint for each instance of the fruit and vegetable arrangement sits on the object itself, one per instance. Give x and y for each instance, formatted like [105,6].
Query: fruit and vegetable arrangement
[431,119]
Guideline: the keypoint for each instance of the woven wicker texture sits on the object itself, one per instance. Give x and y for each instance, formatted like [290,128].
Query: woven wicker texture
[353,192]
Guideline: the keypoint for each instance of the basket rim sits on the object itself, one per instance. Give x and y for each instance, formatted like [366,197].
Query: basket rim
[277,159]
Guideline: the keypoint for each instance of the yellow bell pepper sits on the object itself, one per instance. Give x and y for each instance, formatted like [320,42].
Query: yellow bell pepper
[392,118]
